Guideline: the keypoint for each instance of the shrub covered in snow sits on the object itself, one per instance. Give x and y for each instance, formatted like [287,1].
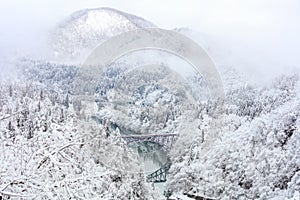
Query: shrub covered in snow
[48,152]
[256,155]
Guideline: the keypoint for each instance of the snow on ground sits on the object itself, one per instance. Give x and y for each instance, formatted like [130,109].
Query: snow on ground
[52,149]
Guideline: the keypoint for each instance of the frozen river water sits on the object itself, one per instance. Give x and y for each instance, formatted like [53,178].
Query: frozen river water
[151,157]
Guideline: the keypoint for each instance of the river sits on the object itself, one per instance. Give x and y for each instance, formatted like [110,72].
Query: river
[151,155]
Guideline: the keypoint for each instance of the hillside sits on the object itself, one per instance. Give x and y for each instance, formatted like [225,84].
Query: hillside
[75,37]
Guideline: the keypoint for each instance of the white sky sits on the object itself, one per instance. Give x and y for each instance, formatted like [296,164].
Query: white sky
[268,27]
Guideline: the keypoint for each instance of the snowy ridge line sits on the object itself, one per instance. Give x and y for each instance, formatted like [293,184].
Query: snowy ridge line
[81,13]
[78,34]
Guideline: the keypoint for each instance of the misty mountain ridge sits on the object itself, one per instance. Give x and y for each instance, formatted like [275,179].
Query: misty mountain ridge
[76,36]
[248,151]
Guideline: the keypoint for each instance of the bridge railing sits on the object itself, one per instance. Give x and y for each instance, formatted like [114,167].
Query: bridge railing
[159,175]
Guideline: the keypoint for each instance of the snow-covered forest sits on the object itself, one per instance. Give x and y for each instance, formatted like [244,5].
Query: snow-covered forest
[56,146]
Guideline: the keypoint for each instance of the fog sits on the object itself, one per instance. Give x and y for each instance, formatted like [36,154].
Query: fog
[259,30]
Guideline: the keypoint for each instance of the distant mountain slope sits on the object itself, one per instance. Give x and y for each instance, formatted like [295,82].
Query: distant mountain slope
[235,54]
[75,37]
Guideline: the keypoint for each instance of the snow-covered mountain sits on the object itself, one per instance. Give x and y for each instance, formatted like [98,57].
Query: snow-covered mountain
[51,149]
[76,36]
